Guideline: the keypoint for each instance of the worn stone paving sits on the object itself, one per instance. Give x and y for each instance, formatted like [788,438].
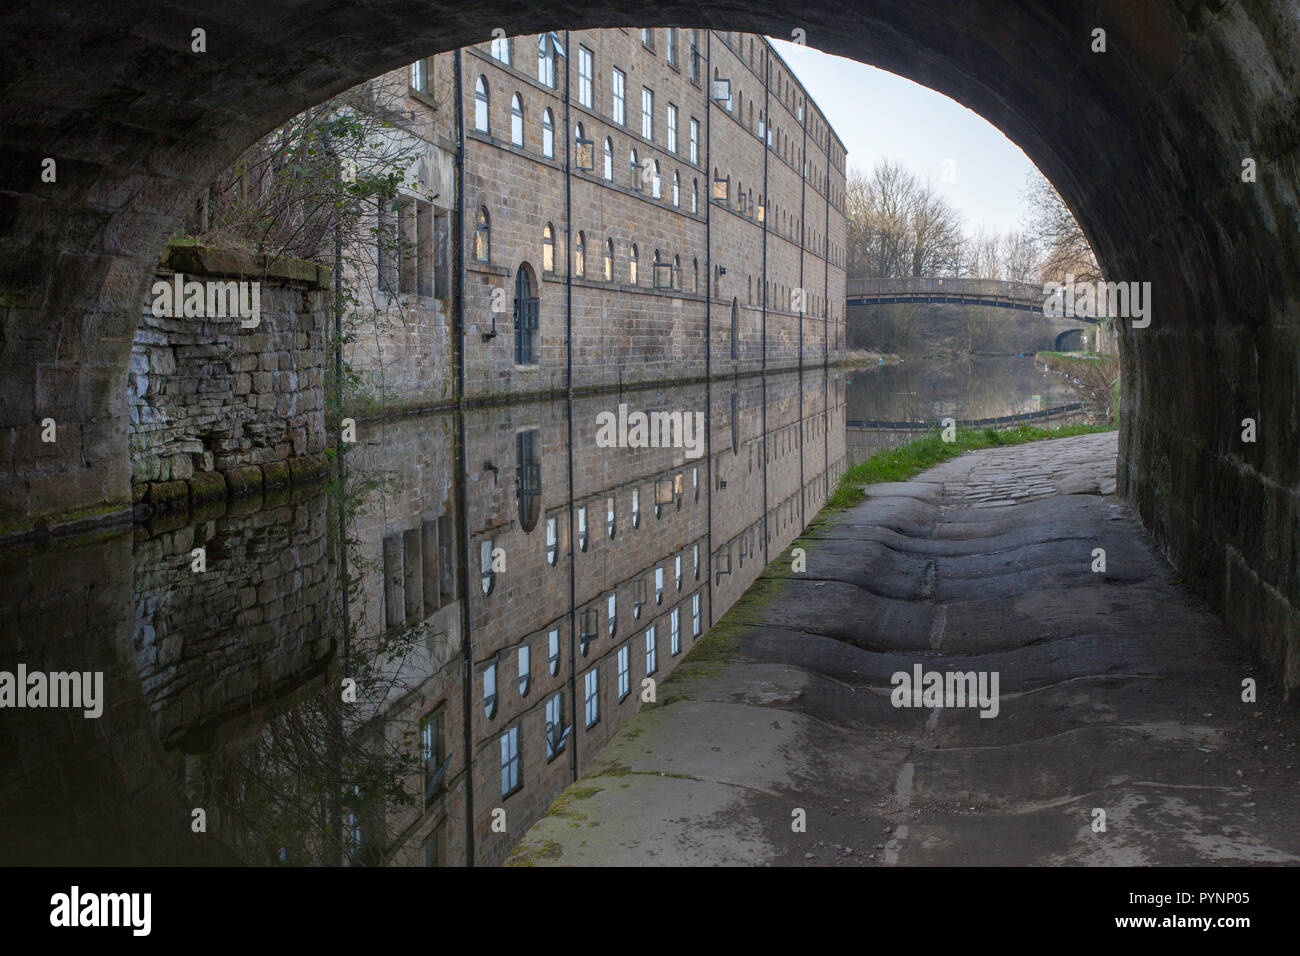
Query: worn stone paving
[1117,693]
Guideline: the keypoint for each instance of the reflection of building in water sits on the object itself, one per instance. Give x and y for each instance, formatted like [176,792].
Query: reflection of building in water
[578,590]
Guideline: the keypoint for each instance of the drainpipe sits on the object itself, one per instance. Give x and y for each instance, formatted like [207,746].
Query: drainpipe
[568,410]
[708,297]
[826,324]
[338,381]
[467,635]
[803,299]
[767,200]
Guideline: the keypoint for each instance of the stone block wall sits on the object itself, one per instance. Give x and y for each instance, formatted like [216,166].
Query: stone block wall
[215,646]
[219,409]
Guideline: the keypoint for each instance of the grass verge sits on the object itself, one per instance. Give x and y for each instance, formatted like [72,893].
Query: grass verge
[900,464]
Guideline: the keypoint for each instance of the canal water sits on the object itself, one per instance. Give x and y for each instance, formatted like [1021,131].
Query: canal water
[408,666]
[963,387]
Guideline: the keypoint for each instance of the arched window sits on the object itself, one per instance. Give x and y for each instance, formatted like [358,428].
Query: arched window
[483,236]
[695,275]
[516,120]
[481,104]
[634,171]
[578,135]
[655,183]
[677,189]
[528,473]
[735,320]
[609,260]
[548,248]
[609,159]
[632,266]
[501,49]
[580,255]
[695,195]
[527,309]
[677,273]
[548,134]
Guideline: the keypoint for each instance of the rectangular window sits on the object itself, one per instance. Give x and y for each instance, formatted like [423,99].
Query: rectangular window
[695,141]
[553,650]
[648,39]
[618,89]
[592,696]
[510,761]
[586,81]
[695,615]
[624,672]
[525,670]
[490,690]
[420,76]
[676,630]
[672,46]
[546,60]
[651,654]
[672,128]
[647,113]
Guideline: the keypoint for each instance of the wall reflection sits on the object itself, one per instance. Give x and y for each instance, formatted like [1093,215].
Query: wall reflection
[409,670]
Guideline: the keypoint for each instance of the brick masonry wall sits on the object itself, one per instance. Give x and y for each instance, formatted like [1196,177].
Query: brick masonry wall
[216,408]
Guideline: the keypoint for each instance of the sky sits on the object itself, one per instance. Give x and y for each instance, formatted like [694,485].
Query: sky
[882,116]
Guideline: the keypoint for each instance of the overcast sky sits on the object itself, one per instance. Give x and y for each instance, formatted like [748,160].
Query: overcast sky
[882,116]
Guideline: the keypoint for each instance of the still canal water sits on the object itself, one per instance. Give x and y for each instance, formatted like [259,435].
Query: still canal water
[964,387]
[514,585]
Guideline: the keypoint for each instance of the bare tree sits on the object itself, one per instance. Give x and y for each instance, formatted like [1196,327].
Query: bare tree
[1055,231]
[1019,256]
[899,226]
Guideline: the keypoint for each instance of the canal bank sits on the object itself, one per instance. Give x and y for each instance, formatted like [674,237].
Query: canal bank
[1122,736]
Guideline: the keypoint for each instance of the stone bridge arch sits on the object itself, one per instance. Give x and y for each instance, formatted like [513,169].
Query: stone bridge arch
[1069,340]
[1145,141]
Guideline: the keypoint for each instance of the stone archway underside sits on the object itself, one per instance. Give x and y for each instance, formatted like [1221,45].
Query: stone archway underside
[1145,142]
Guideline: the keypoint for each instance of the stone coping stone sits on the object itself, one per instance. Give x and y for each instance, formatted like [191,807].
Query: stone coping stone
[204,260]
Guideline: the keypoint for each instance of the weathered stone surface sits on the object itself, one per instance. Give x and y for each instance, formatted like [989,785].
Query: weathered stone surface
[198,384]
[308,468]
[207,486]
[168,495]
[244,480]
[275,474]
